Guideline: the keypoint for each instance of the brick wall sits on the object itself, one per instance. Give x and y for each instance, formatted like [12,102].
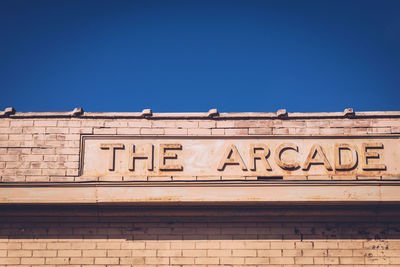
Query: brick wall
[42,149]
[101,244]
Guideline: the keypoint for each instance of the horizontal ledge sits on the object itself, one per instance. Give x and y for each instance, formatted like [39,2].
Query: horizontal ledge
[205,115]
[201,194]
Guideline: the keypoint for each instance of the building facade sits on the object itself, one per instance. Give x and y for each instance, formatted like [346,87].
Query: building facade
[199,189]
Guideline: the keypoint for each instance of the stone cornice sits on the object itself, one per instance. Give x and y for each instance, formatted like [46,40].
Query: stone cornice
[212,114]
[201,193]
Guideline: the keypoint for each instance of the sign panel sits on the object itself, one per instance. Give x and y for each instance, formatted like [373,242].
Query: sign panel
[134,156]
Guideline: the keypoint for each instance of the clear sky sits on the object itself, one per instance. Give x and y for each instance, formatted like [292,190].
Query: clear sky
[189,56]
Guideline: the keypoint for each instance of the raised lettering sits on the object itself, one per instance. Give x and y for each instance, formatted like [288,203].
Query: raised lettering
[278,156]
[340,165]
[262,154]
[316,156]
[148,155]
[367,156]
[231,157]
[164,155]
[111,153]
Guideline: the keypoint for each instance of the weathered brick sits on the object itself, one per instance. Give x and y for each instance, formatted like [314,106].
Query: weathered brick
[105,131]
[151,131]
[45,123]
[21,123]
[176,131]
[199,131]
[237,131]
[260,131]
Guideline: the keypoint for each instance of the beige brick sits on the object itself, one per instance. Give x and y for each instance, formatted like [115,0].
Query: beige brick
[207,124]
[9,261]
[108,245]
[244,253]
[119,253]
[116,123]
[92,123]
[285,261]
[169,253]
[303,260]
[225,124]
[232,260]
[80,130]
[269,253]
[258,260]
[317,123]
[194,253]
[81,261]
[106,260]
[56,130]
[281,131]
[304,245]
[174,260]
[46,122]
[394,261]
[32,260]
[293,123]
[156,261]
[21,123]
[163,124]
[340,252]
[102,253]
[34,130]
[353,244]
[69,253]
[4,123]
[209,244]
[282,245]
[157,245]
[9,157]
[199,131]
[19,253]
[326,245]
[144,253]
[58,260]
[219,252]
[105,131]
[69,123]
[207,260]
[187,124]
[260,131]
[255,244]
[331,131]
[237,131]
[139,123]
[316,253]
[151,131]
[217,131]
[176,131]
[133,245]
[133,131]
[351,260]
[44,253]
[134,261]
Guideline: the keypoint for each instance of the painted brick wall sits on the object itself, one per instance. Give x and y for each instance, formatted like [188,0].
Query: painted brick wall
[98,244]
[47,149]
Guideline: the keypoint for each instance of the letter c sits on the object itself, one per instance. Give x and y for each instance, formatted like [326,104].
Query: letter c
[278,156]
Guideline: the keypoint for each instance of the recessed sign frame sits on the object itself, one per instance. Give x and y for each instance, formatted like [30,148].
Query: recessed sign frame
[239,156]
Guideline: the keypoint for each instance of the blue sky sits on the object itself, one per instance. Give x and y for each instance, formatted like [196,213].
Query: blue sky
[189,56]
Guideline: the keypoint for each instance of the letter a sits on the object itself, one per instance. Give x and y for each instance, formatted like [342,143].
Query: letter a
[317,156]
[231,157]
